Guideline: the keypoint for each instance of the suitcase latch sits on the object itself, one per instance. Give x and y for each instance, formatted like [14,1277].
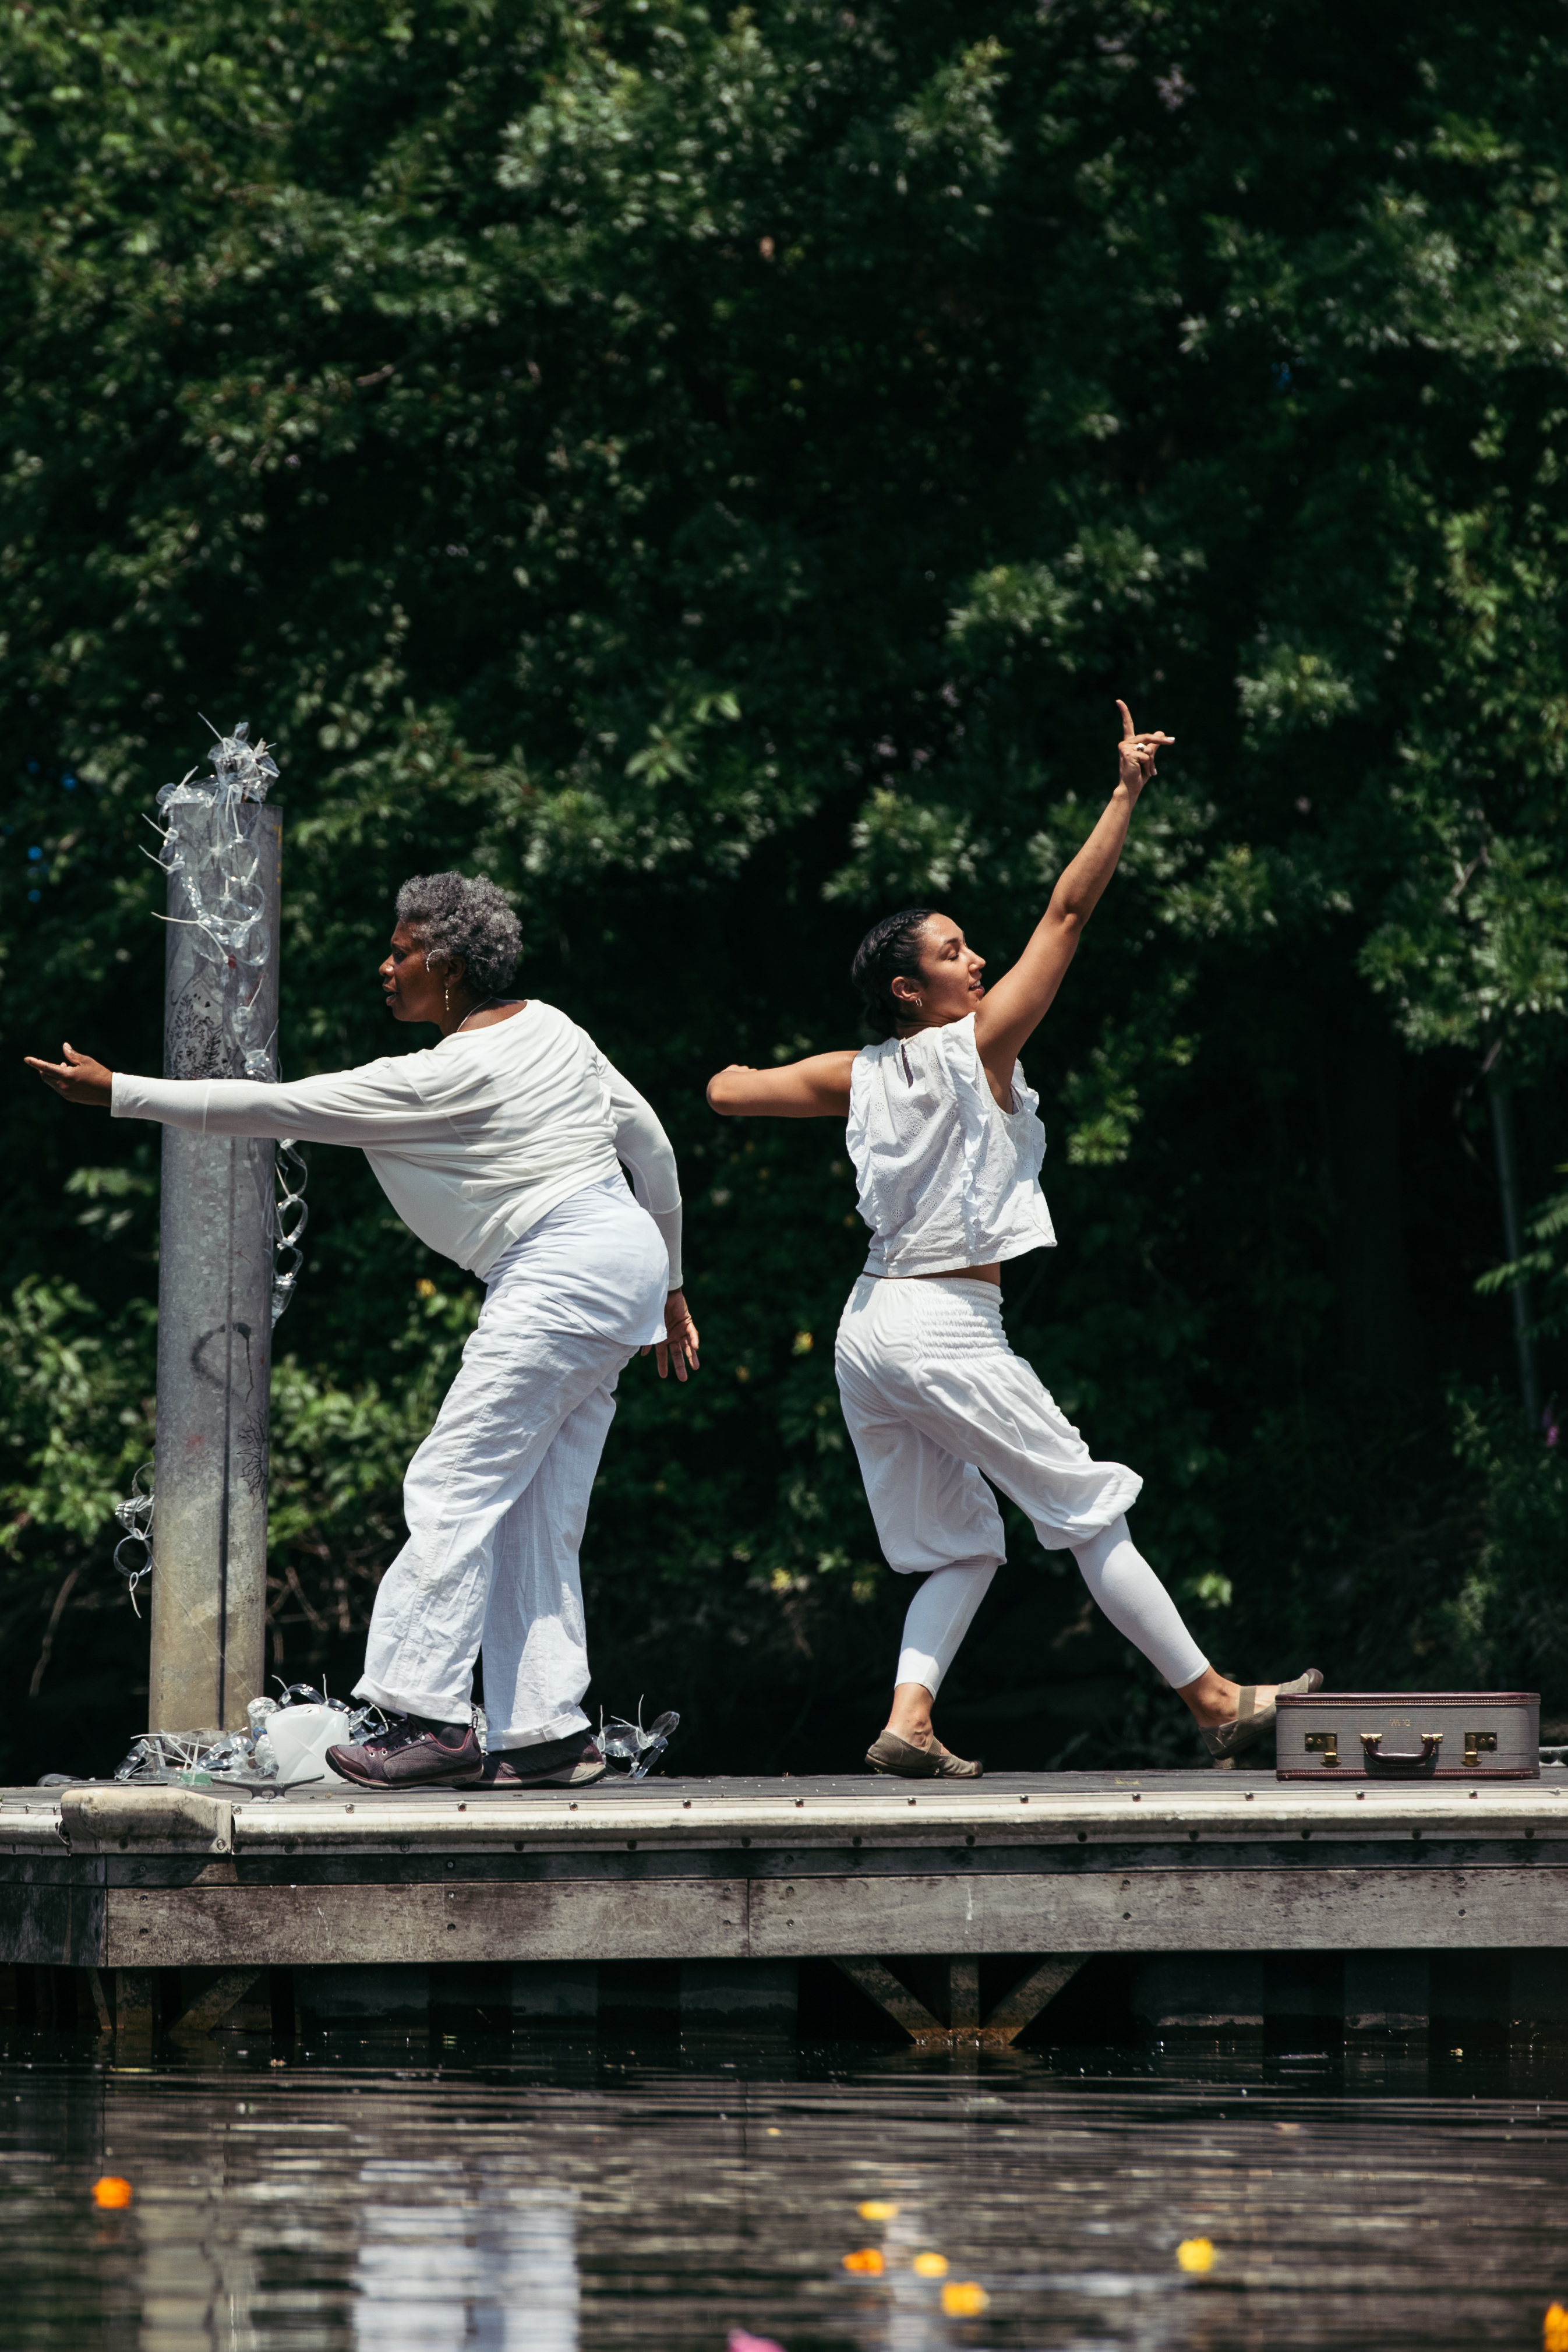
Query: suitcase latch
[1474,1743]
[1325,1744]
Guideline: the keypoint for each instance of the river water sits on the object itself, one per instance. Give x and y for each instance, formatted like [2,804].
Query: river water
[405,2199]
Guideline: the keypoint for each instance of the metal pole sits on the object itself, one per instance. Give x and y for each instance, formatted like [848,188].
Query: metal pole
[215,1314]
[1500,1100]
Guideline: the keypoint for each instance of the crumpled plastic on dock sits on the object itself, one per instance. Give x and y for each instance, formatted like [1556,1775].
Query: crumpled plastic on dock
[183,1759]
[629,1744]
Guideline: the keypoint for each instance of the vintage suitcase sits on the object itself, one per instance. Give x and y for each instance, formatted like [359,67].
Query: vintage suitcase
[1410,1735]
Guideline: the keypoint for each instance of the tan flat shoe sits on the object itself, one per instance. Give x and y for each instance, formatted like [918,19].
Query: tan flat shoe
[1226,1741]
[892,1754]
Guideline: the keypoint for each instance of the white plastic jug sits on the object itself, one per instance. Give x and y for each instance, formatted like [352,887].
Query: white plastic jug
[300,1737]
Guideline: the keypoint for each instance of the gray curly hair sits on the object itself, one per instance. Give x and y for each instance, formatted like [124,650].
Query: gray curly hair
[451,917]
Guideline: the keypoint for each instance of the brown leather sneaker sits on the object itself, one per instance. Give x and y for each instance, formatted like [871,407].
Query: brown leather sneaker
[575,1762]
[414,1753]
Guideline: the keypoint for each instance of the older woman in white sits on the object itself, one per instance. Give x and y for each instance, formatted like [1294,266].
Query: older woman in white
[501,1147]
[947,1142]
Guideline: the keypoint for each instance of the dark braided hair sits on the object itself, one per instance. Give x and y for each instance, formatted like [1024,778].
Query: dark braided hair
[890,951]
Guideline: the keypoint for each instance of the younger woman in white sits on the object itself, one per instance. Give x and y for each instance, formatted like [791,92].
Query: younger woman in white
[947,1143]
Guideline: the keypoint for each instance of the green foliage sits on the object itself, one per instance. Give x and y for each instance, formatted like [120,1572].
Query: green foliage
[1507,1626]
[75,1409]
[713,472]
[1544,1269]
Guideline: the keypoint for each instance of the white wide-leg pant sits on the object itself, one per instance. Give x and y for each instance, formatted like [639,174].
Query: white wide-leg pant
[496,1500]
[937,1403]
[497,1496]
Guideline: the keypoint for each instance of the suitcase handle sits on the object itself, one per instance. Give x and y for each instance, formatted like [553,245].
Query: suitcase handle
[1431,1741]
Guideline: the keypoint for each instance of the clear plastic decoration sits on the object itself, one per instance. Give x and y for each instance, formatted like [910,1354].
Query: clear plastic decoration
[219,892]
[167,1755]
[133,1552]
[629,1744]
[246,1757]
[289,1218]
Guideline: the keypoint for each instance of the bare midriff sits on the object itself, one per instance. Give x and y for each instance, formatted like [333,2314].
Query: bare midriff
[965,1273]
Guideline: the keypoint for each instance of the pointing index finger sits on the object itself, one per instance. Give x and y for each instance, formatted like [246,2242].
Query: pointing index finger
[1128,729]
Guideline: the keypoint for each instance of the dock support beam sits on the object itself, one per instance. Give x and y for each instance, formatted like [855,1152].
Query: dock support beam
[210,2007]
[1012,2013]
[135,2011]
[214,1311]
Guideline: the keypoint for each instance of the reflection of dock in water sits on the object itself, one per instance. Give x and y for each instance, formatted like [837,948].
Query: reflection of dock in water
[946,1910]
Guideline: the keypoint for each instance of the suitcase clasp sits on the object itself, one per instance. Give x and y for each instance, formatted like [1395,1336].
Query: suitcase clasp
[1325,1744]
[1475,1741]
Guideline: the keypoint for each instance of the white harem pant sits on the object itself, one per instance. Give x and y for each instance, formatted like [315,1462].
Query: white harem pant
[937,1403]
[497,1496]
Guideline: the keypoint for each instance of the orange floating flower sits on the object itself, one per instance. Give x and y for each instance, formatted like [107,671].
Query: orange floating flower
[111,2192]
[1554,2329]
[929,2265]
[1195,2254]
[962,2299]
[866,2259]
[877,2209]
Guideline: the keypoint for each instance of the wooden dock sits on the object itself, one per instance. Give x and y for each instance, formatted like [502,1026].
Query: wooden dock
[165,1906]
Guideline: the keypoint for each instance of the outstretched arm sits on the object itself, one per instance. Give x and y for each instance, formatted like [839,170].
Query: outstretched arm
[817,1088]
[378,1103]
[1010,1012]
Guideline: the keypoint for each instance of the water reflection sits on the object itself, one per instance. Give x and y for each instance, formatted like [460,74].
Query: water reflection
[565,2202]
[468,2264]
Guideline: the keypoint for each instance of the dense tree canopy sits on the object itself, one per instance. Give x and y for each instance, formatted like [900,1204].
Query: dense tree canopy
[712,474]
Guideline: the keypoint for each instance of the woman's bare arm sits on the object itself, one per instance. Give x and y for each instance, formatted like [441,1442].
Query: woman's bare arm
[1010,1012]
[817,1088]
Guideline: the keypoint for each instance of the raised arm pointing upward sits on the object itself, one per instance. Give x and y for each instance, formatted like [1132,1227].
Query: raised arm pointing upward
[945,984]
[947,1146]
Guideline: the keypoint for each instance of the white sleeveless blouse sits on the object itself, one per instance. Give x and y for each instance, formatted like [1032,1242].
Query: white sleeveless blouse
[947,1178]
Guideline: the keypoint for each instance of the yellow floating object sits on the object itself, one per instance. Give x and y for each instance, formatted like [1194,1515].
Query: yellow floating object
[1197,2254]
[962,2299]
[111,2192]
[1554,2329]
[774,2132]
[930,2265]
[877,2209]
[867,2259]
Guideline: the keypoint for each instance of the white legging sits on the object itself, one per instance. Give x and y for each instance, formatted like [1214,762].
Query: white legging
[1121,1582]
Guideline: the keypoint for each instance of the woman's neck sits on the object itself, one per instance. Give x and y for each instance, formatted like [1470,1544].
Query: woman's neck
[937,1021]
[483,1015]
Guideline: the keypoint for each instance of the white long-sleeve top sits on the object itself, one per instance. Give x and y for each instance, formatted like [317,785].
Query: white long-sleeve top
[472,1140]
